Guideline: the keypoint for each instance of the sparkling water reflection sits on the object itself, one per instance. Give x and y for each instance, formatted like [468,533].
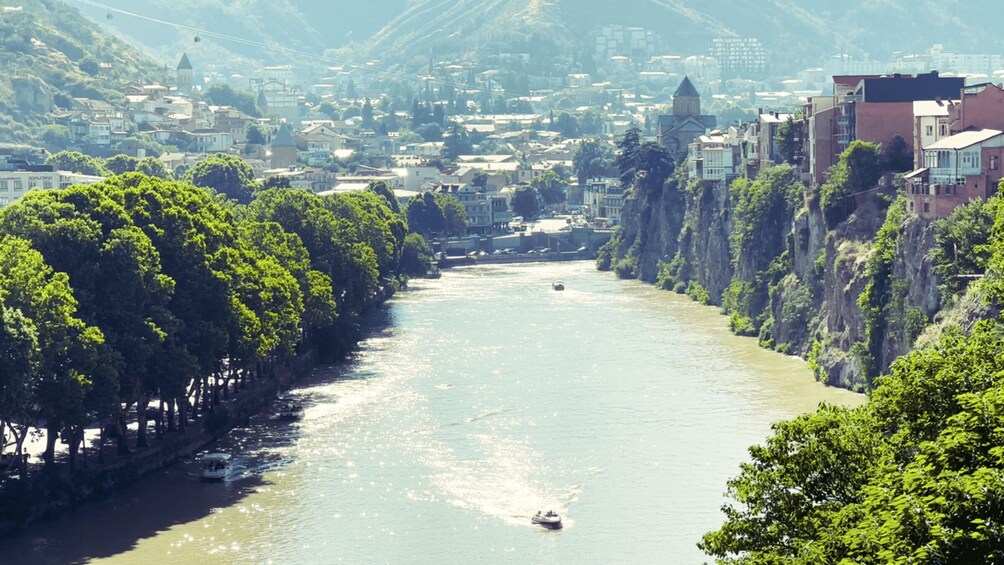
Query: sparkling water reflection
[484,397]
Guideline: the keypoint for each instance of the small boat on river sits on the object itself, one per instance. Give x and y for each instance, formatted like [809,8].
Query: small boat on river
[290,410]
[215,467]
[558,285]
[550,519]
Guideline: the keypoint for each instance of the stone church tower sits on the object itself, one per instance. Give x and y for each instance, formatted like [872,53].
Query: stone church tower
[185,73]
[686,123]
[686,100]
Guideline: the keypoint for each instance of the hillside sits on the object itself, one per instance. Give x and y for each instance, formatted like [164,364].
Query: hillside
[796,32]
[50,54]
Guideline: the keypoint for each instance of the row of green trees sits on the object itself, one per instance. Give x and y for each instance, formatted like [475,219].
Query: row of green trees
[140,289]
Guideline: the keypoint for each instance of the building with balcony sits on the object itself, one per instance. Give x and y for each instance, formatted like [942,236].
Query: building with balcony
[959,168]
[716,156]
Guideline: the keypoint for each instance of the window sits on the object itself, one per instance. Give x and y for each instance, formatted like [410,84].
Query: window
[3,201]
[929,130]
[17,184]
[3,185]
[47,182]
[943,130]
[927,207]
[993,162]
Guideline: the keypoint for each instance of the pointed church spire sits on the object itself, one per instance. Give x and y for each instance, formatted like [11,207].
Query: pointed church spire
[687,89]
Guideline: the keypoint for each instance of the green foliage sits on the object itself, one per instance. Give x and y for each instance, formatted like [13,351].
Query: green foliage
[76,162]
[786,140]
[878,292]
[457,143]
[645,165]
[763,212]
[913,476]
[228,175]
[550,186]
[425,215]
[415,256]
[220,94]
[385,192]
[858,170]
[454,215]
[137,287]
[593,158]
[697,293]
[524,203]
[961,245]
[121,164]
[897,156]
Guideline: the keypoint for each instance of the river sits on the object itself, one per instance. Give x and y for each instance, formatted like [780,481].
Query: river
[477,399]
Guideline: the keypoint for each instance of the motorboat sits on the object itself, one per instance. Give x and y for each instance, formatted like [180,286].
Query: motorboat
[550,519]
[215,466]
[290,410]
[558,285]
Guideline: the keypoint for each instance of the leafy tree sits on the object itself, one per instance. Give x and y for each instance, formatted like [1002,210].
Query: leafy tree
[223,95]
[226,174]
[430,132]
[381,188]
[960,244]
[795,487]
[567,125]
[550,186]
[454,215]
[49,353]
[457,143]
[785,144]
[425,216]
[898,156]
[591,123]
[121,164]
[858,170]
[256,135]
[524,203]
[628,158]
[367,115]
[416,256]
[76,162]
[593,158]
[57,137]
[153,167]
[276,181]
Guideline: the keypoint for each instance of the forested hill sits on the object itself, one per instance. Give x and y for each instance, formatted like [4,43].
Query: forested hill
[796,32]
[49,54]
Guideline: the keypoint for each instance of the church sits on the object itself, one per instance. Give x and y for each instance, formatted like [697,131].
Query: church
[686,124]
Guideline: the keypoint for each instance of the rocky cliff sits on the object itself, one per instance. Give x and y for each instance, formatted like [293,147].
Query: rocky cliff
[762,250]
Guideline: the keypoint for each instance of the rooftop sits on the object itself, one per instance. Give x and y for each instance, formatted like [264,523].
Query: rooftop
[964,139]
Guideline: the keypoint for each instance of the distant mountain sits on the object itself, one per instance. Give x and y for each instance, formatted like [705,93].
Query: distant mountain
[49,55]
[796,32]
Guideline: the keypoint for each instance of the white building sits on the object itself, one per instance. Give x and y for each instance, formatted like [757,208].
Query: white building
[716,156]
[930,124]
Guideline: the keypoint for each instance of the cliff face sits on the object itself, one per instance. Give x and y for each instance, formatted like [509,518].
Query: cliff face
[651,224]
[704,240]
[799,293]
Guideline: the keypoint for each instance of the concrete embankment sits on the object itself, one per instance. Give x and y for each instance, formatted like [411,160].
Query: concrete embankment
[520,258]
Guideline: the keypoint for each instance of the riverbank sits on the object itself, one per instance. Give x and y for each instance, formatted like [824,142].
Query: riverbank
[49,493]
[446,431]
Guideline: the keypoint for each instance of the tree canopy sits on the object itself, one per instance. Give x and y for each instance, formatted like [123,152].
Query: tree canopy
[138,288]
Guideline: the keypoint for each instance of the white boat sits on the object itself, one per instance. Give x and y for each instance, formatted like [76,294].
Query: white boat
[215,466]
[290,410]
[549,519]
[558,285]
